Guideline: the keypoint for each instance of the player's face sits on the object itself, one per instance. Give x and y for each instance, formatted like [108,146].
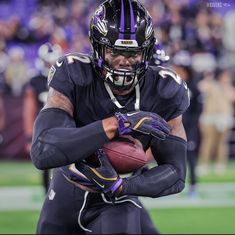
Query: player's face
[125,60]
[122,61]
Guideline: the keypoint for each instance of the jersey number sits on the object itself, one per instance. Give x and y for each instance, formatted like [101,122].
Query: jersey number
[164,73]
[80,57]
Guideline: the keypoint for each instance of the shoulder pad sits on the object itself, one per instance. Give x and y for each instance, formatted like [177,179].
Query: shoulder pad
[69,72]
[169,83]
[78,67]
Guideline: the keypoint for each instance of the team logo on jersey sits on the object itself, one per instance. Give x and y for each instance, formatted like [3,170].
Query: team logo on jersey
[59,63]
[99,21]
[51,195]
[51,74]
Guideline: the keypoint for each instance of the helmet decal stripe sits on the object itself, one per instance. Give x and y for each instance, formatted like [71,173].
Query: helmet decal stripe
[121,35]
[127,21]
[133,36]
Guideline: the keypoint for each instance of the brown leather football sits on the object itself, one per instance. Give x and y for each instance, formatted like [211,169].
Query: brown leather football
[126,154]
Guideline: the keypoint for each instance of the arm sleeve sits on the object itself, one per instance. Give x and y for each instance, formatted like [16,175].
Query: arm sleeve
[166,178]
[57,142]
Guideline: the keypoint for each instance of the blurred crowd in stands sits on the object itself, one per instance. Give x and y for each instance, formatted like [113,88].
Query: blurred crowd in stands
[198,36]
[185,25]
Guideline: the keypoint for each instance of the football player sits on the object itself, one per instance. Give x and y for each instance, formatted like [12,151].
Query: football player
[35,94]
[93,99]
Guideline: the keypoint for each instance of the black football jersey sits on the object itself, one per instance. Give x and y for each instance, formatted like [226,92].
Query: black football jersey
[161,91]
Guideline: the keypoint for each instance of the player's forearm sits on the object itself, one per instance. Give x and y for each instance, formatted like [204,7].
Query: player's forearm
[165,179]
[57,142]
[110,126]
[156,182]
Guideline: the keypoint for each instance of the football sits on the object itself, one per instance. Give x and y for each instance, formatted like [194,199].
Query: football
[126,154]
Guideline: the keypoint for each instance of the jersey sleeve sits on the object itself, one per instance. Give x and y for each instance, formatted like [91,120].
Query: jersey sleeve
[59,79]
[173,93]
[181,100]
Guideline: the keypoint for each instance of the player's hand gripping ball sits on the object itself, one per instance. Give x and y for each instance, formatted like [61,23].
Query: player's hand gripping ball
[125,154]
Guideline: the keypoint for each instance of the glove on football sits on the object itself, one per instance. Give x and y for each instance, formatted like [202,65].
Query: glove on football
[74,176]
[144,122]
[104,176]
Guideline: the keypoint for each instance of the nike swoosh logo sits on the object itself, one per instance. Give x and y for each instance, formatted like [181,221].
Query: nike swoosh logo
[131,114]
[101,185]
[59,63]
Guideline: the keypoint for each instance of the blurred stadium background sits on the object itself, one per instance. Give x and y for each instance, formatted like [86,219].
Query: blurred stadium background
[198,35]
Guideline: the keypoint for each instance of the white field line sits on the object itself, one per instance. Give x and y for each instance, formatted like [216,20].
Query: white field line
[209,195]
[21,198]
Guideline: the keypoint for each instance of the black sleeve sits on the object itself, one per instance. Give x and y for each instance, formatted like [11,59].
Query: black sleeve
[57,142]
[166,178]
[59,78]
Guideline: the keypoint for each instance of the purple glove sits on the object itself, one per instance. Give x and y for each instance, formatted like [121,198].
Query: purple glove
[104,177]
[74,176]
[144,122]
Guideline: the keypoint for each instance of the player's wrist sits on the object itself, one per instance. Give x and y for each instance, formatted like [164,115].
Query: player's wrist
[110,126]
[123,124]
[116,186]
[120,191]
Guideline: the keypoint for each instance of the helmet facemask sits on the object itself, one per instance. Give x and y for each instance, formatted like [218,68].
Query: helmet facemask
[122,79]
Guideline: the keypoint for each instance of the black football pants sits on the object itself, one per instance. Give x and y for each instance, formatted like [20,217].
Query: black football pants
[69,210]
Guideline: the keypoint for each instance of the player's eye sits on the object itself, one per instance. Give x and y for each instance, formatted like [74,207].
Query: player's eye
[127,54]
[134,53]
[115,52]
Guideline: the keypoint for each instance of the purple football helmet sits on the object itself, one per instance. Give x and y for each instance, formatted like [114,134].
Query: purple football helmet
[125,27]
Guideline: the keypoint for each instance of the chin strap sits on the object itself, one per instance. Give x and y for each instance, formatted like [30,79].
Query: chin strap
[115,101]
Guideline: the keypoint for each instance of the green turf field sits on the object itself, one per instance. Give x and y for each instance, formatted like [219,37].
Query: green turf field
[168,221]
[195,220]
[19,173]
[189,220]
[18,222]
